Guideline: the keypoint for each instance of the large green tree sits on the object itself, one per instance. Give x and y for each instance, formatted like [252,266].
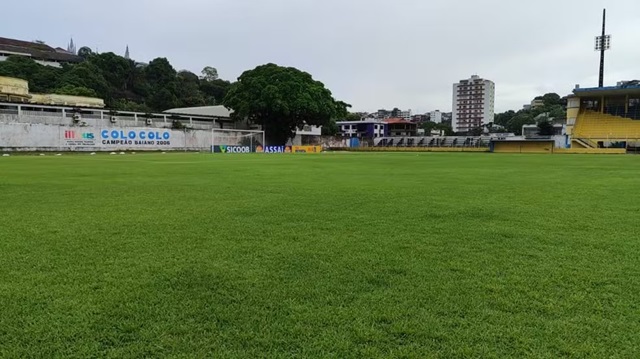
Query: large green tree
[189,94]
[503,119]
[85,52]
[122,83]
[551,99]
[76,91]
[86,75]
[282,99]
[115,69]
[209,74]
[163,85]
[41,78]
[545,128]
[214,91]
[353,117]
[522,118]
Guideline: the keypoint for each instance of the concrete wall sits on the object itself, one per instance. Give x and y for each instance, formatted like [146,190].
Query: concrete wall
[43,137]
[524,147]
[602,151]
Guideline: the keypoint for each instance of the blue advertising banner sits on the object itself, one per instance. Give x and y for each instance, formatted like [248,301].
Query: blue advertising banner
[274,149]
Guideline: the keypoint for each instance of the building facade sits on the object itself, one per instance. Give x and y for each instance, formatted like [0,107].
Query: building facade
[405,115]
[473,104]
[399,127]
[366,129]
[435,116]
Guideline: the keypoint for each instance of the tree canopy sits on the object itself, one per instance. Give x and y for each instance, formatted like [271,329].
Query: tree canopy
[281,100]
[554,109]
[122,83]
[545,128]
[85,52]
[209,74]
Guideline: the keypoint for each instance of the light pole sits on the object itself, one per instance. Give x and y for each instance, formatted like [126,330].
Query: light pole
[603,43]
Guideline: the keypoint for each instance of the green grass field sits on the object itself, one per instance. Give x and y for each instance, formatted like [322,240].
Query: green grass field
[318,256]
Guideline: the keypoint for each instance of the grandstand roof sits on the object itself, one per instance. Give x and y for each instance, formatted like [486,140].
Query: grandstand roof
[607,91]
[210,111]
[36,50]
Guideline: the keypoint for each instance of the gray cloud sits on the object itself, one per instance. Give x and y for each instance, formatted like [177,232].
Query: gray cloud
[371,53]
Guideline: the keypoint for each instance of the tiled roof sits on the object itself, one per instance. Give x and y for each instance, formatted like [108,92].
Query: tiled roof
[36,50]
[398,121]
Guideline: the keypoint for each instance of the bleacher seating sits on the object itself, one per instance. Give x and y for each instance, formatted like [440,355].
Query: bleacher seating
[433,142]
[598,126]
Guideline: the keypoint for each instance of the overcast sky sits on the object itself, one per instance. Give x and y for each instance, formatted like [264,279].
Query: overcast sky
[370,53]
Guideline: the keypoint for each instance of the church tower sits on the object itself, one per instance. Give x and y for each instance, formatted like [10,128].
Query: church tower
[126,53]
[71,47]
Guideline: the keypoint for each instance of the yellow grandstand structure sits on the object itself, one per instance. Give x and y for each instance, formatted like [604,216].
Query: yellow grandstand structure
[605,117]
[17,91]
[14,90]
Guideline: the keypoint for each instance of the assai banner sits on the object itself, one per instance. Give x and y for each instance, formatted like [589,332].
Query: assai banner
[232,149]
[273,149]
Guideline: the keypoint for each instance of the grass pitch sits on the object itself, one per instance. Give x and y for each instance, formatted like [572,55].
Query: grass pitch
[344,256]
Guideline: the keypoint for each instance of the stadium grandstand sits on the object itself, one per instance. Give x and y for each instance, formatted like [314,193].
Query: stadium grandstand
[605,117]
[445,141]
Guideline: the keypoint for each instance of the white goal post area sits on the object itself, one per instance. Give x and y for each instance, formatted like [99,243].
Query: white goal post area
[236,141]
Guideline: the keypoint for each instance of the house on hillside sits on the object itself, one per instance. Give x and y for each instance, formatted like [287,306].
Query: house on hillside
[398,127]
[39,52]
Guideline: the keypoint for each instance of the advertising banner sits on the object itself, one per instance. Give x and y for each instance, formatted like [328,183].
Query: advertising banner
[73,138]
[149,138]
[36,137]
[232,149]
[273,149]
[306,149]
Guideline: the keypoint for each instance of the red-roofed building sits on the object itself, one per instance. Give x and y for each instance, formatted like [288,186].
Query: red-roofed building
[398,127]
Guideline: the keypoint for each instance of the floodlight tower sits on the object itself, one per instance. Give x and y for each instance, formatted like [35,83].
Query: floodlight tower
[603,43]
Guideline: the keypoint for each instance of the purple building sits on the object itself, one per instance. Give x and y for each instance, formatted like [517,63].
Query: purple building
[366,129]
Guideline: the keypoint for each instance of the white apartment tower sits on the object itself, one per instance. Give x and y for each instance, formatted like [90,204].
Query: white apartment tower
[473,103]
[435,116]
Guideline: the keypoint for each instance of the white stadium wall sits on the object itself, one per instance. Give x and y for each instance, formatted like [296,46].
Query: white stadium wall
[43,137]
[53,128]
